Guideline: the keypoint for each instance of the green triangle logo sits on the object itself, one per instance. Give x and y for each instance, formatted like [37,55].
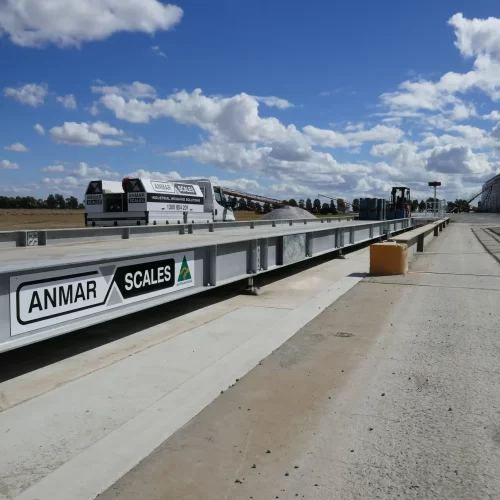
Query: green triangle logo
[184,273]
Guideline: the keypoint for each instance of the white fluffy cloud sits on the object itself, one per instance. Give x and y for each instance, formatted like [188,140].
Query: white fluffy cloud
[237,120]
[8,165]
[379,133]
[326,138]
[476,36]
[156,48]
[9,189]
[450,149]
[369,185]
[33,23]
[415,96]
[159,176]
[87,172]
[404,156]
[280,161]
[86,134]
[78,179]
[236,117]
[17,148]
[66,183]
[494,116]
[286,190]
[94,109]
[494,135]
[462,111]
[32,94]
[39,129]
[332,139]
[136,90]
[274,102]
[457,160]
[68,101]
[410,164]
[247,185]
[103,128]
[459,135]
[54,168]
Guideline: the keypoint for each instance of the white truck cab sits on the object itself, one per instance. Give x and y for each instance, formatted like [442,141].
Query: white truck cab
[215,200]
[141,201]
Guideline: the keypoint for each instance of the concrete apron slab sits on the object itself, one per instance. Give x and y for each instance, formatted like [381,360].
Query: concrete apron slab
[490,239]
[457,252]
[406,407]
[71,429]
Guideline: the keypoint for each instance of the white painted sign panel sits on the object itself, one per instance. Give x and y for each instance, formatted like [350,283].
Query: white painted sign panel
[163,187]
[93,199]
[41,300]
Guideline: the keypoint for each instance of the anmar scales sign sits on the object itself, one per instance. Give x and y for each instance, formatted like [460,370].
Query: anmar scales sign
[45,299]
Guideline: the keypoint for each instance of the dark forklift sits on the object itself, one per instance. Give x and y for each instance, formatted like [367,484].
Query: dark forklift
[400,203]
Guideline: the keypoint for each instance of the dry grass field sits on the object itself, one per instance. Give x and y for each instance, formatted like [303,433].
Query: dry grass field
[13,219]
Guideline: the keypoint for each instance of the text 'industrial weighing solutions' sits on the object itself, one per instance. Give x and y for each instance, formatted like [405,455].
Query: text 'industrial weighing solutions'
[49,298]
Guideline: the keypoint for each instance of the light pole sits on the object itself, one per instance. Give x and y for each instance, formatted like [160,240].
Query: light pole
[434,184]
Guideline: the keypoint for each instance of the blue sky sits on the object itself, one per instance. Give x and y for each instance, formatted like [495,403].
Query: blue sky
[294,98]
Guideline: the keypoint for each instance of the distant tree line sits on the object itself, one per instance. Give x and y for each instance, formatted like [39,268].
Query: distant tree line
[315,207]
[58,201]
[421,205]
[462,204]
[53,201]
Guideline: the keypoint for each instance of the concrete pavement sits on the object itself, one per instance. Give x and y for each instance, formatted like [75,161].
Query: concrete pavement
[392,392]
[68,430]
[490,239]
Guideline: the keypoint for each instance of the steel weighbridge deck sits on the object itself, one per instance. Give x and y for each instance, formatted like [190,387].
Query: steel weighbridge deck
[50,290]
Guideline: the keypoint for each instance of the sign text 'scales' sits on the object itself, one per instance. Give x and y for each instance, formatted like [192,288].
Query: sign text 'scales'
[137,197]
[185,189]
[93,199]
[147,277]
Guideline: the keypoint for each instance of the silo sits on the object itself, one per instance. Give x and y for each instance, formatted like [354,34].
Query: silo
[490,199]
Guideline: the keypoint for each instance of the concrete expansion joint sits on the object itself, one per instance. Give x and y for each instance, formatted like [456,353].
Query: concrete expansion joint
[483,240]
[428,285]
[454,274]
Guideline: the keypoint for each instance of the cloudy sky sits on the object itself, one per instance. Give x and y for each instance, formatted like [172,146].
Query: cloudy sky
[278,97]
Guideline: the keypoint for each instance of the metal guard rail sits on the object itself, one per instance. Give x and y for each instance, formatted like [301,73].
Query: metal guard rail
[37,237]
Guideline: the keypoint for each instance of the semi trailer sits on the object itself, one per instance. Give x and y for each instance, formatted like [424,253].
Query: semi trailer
[140,201]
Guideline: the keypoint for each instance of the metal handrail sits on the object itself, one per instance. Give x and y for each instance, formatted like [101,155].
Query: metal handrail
[37,237]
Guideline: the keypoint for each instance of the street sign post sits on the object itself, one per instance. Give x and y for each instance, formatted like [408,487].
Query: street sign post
[434,185]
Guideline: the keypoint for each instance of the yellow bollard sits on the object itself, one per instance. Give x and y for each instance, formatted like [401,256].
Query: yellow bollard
[388,258]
